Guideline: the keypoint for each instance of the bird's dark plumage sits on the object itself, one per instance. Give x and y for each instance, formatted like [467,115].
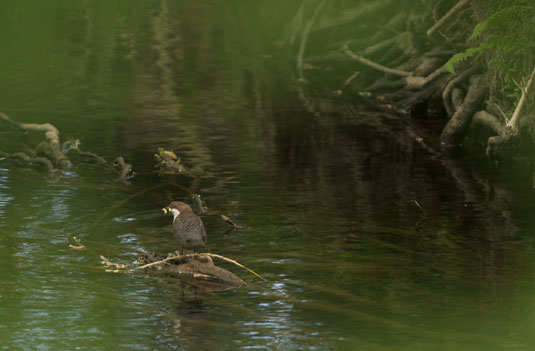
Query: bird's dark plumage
[187,226]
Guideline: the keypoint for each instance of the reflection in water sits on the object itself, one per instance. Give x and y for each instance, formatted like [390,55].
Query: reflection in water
[397,248]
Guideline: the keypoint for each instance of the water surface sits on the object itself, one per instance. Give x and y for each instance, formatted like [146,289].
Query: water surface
[368,240]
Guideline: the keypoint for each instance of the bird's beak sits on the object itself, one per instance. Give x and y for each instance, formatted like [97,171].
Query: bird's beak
[165,210]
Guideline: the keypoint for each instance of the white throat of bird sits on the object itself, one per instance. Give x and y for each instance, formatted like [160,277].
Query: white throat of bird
[175,213]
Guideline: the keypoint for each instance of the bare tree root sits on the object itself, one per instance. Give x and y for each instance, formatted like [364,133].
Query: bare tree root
[427,66]
[447,16]
[372,64]
[416,83]
[429,90]
[446,93]
[426,70]
[458,123]
[501,147]
[457,97]
[486,119]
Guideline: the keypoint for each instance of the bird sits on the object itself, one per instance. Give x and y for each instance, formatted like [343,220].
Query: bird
[187,226]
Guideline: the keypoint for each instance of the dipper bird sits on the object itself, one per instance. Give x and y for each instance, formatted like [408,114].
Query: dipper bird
[188,227]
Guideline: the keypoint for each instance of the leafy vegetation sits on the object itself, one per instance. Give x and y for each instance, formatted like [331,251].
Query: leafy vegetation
[505,41]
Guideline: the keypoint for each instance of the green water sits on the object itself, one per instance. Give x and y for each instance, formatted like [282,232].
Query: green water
[326,202]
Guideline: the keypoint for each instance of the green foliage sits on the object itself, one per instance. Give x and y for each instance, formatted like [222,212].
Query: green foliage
[506,41]
[461,56]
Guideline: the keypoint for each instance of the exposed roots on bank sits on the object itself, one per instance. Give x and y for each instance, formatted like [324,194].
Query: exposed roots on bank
[409,54]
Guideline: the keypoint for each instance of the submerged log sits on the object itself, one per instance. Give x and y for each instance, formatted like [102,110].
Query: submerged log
[195,269]
[199,271]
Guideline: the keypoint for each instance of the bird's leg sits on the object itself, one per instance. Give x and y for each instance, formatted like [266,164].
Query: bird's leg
[181,250]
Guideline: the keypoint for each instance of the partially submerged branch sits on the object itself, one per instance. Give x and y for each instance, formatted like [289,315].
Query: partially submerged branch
[125,170]
[197,268]
[197,256]
[230,221]
[51,148]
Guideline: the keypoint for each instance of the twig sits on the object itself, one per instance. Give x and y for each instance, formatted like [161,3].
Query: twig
[170,258]
[512,124]
[372,64]
[447,16]
[419,206]
[348,80]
